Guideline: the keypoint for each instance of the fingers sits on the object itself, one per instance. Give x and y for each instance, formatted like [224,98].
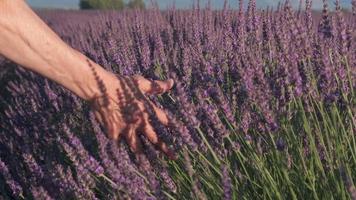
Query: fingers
[153,138]
[153,87]
[99,117]
[133,139]
[114,127]
[160,87]
[161,115]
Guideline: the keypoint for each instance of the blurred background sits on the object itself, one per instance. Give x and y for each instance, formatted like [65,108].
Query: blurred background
[163,4]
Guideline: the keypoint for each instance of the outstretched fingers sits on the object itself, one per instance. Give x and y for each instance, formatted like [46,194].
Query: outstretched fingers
[99,117]
[133,140]
[114,126]
[160,114]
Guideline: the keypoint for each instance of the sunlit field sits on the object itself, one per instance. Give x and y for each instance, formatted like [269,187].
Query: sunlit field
[263,107]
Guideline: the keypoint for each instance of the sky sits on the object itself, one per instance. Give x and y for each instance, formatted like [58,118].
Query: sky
[73,4]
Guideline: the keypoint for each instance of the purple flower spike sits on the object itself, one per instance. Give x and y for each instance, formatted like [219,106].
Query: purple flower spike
[226,180]
[15,187]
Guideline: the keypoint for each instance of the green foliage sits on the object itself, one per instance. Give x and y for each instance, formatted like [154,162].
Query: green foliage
[320,166]
[110,4]
[136,4]
[101,4]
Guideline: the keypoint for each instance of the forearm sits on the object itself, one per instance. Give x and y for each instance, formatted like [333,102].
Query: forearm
[28,41]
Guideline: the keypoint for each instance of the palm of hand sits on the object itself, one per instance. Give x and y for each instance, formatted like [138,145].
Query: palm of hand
[125,110]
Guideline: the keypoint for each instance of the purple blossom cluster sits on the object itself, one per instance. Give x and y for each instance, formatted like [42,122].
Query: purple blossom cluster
[235,71]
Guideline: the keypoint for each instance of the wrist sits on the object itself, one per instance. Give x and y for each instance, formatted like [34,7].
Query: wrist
[85,81]
[97,82]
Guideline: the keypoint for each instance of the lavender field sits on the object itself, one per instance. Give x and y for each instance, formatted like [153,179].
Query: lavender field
[263,107]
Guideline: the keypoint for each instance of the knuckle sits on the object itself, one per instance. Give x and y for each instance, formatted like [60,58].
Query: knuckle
[113,136]
[137,76]
[157,86]
[138,79]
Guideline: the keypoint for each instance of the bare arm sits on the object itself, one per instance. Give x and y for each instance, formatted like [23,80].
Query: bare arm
[28,41]
[119,103]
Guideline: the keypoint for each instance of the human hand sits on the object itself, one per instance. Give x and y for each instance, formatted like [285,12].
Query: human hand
[125,111]
[119,103]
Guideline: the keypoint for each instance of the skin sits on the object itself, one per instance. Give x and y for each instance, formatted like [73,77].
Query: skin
[119,102]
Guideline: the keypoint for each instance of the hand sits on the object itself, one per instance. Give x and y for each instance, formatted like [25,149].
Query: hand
[125,111]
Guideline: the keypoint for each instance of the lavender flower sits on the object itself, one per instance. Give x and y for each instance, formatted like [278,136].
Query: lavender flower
[40,193]
[226,180]
[87,160]
[15,187]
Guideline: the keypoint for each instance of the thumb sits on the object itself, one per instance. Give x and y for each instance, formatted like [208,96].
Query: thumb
[153,86]
[160,87]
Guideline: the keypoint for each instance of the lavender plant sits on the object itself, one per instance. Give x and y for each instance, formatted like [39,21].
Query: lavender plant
[264,107]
